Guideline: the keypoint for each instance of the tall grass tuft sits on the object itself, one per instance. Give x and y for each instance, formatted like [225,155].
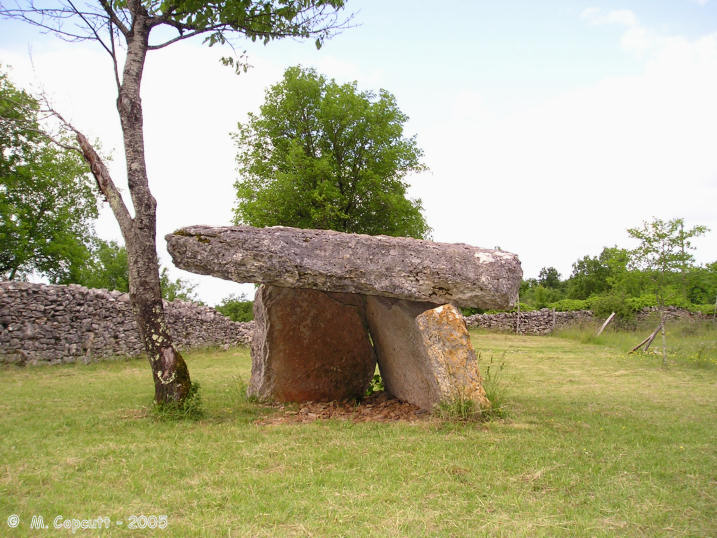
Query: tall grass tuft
[189,409]
[461,407]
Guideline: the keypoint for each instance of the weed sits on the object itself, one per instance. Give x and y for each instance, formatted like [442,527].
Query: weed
[459,408]
[375,385]
[463,408]
[189,409]
[495,390]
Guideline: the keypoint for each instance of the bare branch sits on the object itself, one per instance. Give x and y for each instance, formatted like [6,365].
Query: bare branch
[114,18]
[114,58]
[94,31]
[102,176]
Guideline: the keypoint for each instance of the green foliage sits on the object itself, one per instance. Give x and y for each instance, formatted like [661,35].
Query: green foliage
[701,284]
[663,250]
[261,20]
[538,296]
[549,278]
[605,305]
[328,156]
[708,309]
[570,305]
[177,289]
[106,268]
[236,308]
[188,409]
[47,200]
[375,385]
[597,275]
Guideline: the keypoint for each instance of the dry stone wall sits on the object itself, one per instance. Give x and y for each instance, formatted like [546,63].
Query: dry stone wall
[52,324]
[533,322]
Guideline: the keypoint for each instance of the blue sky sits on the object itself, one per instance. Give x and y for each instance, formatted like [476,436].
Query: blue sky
[549,127]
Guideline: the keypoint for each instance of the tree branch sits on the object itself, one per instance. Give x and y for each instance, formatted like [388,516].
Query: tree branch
[92,29]
[113,17]
[101,175]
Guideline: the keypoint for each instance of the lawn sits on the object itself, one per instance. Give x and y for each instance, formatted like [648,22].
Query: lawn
[596,443]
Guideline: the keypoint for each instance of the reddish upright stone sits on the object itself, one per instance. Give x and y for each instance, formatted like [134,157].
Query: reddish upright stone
[309,346]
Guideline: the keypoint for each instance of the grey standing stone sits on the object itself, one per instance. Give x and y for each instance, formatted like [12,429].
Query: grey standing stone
[424,352]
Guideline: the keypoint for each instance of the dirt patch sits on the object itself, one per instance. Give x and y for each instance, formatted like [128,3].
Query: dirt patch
[379,407]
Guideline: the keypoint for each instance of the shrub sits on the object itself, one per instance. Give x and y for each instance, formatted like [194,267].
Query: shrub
[605,305]
[236,308]
[570,305]
[708,309]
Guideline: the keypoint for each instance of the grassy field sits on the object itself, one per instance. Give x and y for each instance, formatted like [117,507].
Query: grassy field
[596,443]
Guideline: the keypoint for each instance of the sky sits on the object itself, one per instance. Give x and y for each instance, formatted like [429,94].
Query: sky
[549,127]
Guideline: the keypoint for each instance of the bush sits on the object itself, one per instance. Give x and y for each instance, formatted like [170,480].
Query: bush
[708,309]
[605,305]
[570,305]
[236,308]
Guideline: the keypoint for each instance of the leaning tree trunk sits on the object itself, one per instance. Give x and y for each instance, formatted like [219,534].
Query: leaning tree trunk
[169,371]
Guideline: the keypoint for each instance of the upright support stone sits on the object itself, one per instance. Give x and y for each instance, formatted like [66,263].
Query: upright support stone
[309,346]
[424,352]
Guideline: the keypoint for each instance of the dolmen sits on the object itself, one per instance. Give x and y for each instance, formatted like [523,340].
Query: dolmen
[332,305]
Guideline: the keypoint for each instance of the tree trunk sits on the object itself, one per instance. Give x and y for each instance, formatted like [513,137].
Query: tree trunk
[169,371]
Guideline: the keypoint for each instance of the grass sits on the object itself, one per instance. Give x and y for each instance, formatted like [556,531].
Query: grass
[688,343]
[596,444]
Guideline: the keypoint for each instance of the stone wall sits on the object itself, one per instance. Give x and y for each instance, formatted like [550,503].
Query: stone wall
[45,323]
[533,322]
[544,322]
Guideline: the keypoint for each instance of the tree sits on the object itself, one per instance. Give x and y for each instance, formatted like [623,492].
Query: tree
[129,30]
[236,308]
[663,250]
[47,200]
[549,277]
[596,275]
[324,155]
[107,268]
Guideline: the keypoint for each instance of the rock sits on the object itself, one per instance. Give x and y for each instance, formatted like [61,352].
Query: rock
[325,260]
[424,352]
[309,346]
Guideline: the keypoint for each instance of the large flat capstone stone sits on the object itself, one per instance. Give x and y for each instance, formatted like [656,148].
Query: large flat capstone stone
[309,346]
[424,352]
[396,267]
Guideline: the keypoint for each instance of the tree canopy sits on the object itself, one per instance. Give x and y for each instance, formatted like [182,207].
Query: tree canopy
[47,199]
[325,155]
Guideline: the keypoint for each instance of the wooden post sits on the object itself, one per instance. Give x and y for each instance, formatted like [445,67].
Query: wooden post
[553,327]
[517,319]
[647,341]
[607,321]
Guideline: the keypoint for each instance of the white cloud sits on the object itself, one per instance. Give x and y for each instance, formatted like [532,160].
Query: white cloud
[636,39]
[566,177]
[622,17]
